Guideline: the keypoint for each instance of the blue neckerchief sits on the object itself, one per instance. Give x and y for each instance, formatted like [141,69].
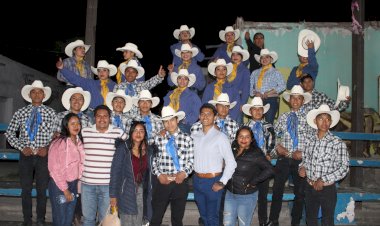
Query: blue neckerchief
[130,90]
[221,126]
[172,150]
[80,114]
[258,133]
[33,122]
[292,125]
[148,125]
[118,122]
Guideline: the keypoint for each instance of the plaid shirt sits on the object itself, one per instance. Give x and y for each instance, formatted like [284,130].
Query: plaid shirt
[157,125]
[272,80]
[325,158]
[124,119]
[269,136]
[163,163]
[230,125]
[71,64]
[84,120]
[18,123]
[319,98]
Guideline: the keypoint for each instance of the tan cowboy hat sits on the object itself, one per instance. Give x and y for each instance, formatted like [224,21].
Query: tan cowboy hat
[37,84]
[104,64]
[243,52]
[220,62]
[304,36]
[133,64]
[324,108]
[69,92]
[145,95]
[184,28]
[119,93]
[183,72]
[297,90]
[265,52]
[222,33]
[131,47]
[256,102]
[186,48]
[72,45]
[169,113]
[224,99]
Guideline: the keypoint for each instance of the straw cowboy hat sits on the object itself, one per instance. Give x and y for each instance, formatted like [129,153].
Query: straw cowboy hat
[243,52]
[133,64]
[297,90]
[266,52]
[119,93]
[324,108]
[224,99]
[220,62]
[186,48]
[169,113]
[37,84]
[183,72]
[104,64]
[184,28]
[304,36]
[131,47]
[72,45]
[343,93]
[256,102]
[69,92]
[145,95]
[222,33]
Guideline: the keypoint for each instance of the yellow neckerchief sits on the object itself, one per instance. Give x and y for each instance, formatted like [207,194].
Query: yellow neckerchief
[261,76]
[299,69]
[230,46]
[80,66]
[218,88]
[184,65]
[174,97]
[119,73]
[233,73]
[104,89]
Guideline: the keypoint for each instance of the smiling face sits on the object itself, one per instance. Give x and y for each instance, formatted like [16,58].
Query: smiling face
[37,95]
[102,120]
[207,117]
[76,102]
[74,126]
[183,81]
[145,106]
[265,60]
[230,37]
[130,74]
[103,73]
[221,72]
[296,102]
[244,139]
[118,104]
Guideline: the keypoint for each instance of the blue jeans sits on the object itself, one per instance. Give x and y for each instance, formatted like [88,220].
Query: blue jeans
[95,199]
[271,113]
[63,213]
[240,207]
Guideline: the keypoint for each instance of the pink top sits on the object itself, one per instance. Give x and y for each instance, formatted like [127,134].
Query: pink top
[65,161]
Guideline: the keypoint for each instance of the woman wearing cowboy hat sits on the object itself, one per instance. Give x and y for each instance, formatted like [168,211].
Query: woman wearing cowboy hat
[130,52]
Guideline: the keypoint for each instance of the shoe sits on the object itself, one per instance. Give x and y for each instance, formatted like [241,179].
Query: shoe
[271,223]
[41,223]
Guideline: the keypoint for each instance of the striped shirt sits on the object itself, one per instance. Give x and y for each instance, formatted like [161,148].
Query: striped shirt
[99,149]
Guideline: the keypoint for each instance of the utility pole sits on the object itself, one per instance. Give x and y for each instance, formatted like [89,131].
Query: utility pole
[90,35]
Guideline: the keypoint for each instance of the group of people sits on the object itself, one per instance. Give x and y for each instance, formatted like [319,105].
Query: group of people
[109,150]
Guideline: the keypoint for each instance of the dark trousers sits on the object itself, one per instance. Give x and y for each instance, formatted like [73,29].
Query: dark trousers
[326,199]
[283,168]
[263,201]
[271,113]
[29,168]
[163,194]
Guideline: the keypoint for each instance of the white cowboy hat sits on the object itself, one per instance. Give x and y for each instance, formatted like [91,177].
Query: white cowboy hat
[324,108]
[69,92]
[133,64]
[256,102]
[104,64]
[265,52]
[224,99]
[220,62]
[303,37]
[343,93]
[243,52]
[222,33]
[131,47]
[184,28]
[37,84]
[119,93]
[186,48]
[297,90]
[145,95]
[169,113]
[72,45]
[183,72]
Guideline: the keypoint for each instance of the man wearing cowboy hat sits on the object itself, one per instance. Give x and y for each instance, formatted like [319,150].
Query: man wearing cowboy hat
[265,139]
[171,166]
[130,52]
[325,161]
[35,124]
[120,104]
[76,52]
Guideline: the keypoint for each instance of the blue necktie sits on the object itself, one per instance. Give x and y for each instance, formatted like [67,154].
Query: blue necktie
[172,150]
[33,123]
[148,125]
[258,133]
[221,126]
[292,125]
[130,90]
[118,122]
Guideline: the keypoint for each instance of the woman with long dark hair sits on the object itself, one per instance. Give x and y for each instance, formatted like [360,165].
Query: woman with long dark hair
[65,164]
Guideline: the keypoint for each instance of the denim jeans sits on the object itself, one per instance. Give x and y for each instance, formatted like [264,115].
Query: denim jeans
[95,199]
[63,213]
[271,113]
[239,207]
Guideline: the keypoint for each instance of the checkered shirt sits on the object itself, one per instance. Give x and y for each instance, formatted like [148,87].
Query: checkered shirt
[157,125]
[269,136]
[84,120]
[125,117]
[319,98]
[18,123]
[230,125]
